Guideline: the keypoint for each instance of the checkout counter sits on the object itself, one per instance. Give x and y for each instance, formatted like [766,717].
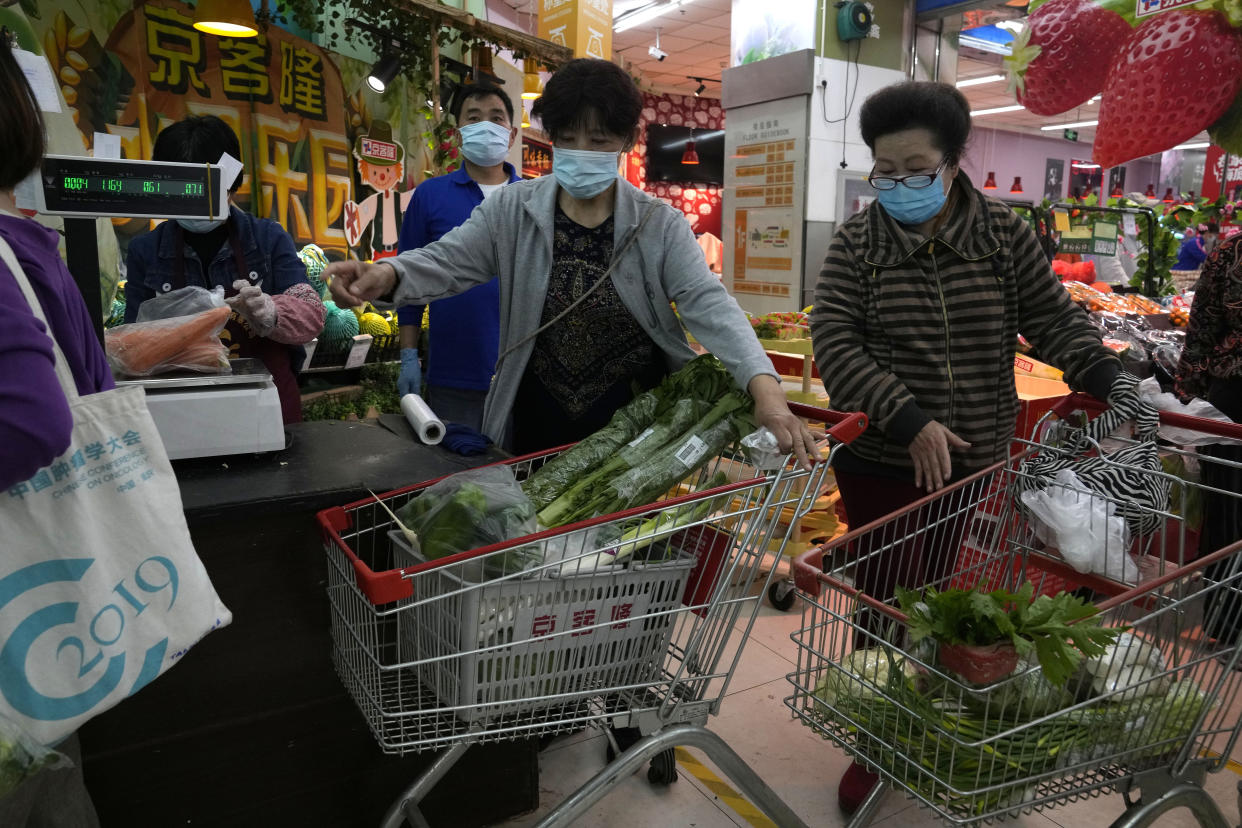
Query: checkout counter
[252,727]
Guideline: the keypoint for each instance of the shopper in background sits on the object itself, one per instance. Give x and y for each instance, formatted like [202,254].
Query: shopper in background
[276,310]
[1195,247]
[574,345]
[1211,369]
[916,318]
[35,418]
[463,330]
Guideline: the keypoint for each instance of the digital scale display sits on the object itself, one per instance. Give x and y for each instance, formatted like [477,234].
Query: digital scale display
[74,186]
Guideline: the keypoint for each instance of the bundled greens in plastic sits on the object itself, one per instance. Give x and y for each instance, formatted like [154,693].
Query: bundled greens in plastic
[470,510]
[681,398]
[22,757]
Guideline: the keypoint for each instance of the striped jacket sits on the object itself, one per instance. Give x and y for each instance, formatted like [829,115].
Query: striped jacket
[910,329]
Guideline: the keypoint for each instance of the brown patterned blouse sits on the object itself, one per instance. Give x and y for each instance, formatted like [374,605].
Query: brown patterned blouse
[1214,337]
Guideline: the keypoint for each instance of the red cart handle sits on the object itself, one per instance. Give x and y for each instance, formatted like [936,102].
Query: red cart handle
[844,426]
[1067,405]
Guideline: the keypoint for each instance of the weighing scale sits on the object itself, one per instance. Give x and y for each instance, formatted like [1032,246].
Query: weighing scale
[197,415]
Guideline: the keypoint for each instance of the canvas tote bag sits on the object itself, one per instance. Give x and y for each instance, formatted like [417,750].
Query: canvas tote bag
[100,588]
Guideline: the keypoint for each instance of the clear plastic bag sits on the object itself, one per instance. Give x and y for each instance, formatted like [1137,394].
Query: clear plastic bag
[22,757]
[1149,390]
[470,510]
[189,343]
[185,301]
[1083,527]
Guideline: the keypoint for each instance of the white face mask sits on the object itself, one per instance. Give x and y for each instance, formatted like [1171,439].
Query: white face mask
[485,143]
[200,225]
[584,173]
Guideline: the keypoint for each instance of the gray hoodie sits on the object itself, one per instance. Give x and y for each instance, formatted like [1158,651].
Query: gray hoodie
[510,236]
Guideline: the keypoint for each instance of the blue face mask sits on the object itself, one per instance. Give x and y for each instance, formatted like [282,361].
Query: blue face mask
[910,206]
[201,225]
[485,143]
[584,173]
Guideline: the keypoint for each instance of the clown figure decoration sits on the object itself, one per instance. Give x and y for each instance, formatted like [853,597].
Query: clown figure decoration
[381,167]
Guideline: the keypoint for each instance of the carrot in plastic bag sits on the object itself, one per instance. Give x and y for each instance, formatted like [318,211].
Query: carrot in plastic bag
[144,348]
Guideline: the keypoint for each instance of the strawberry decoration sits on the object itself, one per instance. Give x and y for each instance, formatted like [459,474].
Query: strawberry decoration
[1175,77]
[1061,58]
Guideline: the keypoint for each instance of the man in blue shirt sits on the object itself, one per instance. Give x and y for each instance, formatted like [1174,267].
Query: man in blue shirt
[464,330]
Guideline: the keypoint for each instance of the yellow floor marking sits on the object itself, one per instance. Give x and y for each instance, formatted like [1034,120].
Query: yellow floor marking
[740,804]
[1234,766]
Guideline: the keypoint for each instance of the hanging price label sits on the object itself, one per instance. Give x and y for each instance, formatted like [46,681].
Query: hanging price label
[1129,225]
[1060,221]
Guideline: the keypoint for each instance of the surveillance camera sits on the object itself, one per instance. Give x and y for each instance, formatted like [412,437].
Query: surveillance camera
[657,53]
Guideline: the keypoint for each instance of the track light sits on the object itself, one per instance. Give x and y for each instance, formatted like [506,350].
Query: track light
[384,71]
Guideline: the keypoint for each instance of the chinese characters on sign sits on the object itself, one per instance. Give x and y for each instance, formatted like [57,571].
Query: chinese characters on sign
[95,464]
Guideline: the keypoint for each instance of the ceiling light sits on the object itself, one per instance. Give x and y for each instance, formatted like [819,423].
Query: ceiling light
[1151,191]
[996,110]
[1075,125]
[1168,196]
[225,18]
[384,71]
[691,155]
[1195,145]
[962,84]
[643,14]
[990,184]
[1017,184]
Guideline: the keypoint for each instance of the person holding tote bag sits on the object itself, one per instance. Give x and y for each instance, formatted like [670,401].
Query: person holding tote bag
[97,559]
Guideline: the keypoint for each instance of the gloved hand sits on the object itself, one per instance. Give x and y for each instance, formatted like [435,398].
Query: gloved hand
[410,380]
[255,306]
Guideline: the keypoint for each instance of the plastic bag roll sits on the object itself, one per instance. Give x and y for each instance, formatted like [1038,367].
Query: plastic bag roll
[422,419]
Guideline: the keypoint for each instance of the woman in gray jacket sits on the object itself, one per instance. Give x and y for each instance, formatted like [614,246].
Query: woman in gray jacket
[588,266]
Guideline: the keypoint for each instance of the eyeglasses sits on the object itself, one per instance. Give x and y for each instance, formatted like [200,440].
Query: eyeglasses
[914,182]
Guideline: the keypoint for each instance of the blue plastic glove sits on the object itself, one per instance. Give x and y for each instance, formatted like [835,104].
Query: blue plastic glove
[410,380]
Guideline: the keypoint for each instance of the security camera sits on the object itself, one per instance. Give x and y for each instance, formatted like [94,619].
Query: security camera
[657,53]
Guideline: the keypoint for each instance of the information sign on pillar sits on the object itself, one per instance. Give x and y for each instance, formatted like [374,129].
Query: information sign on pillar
[585,26]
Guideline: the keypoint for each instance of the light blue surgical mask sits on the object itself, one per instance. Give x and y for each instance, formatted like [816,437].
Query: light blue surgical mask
[485,143]
[200,225]
[914,206]
[584,173]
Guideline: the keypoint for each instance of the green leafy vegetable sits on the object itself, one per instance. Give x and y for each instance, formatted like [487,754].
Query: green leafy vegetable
[1060,629]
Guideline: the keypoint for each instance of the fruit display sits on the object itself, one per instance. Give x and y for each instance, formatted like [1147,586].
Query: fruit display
[1096,300]
[1164,71]
[1179,316]
[784,325]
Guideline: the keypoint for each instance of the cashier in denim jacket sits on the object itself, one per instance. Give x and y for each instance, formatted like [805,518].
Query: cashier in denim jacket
[275,309]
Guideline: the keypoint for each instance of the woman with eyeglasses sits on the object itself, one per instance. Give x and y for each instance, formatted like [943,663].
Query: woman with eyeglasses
[588,266]
[916,319]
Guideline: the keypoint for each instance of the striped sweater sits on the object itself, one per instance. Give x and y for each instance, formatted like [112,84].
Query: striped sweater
[911,329]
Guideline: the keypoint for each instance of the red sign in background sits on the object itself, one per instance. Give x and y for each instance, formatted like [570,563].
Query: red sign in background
[1213,171]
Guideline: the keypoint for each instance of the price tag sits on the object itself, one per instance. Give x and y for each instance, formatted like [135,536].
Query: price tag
[1129,225]
[691,451]
[358,351]
[310,347]
[640,438]
[1060,220]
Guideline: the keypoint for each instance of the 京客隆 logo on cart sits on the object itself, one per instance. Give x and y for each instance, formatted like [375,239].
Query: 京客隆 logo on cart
[1146,7]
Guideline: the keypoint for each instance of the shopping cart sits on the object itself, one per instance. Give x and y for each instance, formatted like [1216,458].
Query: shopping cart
[1156,713]
[482,646]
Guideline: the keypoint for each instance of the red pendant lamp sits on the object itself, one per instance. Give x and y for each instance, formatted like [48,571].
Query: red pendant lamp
[1017,185]
[990,184]
[1151,191]
[691,155]
[1168,196]
[1117,191]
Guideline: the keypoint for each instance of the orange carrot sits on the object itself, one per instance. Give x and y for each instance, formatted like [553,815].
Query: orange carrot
[139,349]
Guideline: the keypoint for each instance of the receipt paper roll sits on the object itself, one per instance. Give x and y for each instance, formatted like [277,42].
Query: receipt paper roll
[422,419]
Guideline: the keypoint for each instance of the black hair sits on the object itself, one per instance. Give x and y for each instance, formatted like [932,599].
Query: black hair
[21,122]
[586,88]
[198,139]
[482,89]
[937,107]
[1212,227]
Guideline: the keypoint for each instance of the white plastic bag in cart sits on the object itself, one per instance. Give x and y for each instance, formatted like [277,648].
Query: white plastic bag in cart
[1083,526]
[1149,391]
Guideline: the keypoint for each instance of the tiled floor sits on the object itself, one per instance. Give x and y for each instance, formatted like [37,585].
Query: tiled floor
[801,768]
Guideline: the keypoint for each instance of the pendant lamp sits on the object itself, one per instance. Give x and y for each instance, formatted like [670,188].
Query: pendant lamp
[1151,191]
[225,18]
[1017,185]
[1117,191]
[990,184]
[1168,196]
[532,87]
[691,155]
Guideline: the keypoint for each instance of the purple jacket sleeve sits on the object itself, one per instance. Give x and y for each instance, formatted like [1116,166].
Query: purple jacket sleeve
[35,421]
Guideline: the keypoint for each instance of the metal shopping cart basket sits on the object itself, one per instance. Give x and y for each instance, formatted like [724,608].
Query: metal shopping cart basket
[480,647]
[1155,714]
